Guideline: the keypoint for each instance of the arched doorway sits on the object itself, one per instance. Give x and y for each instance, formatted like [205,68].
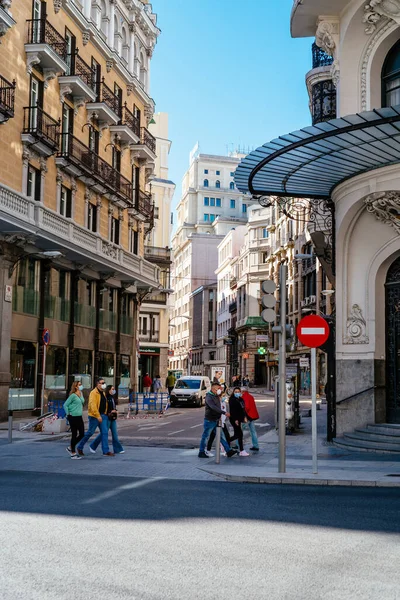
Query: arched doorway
[393,343]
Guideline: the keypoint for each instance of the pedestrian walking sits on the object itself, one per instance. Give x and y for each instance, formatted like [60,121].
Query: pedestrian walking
[157,385]
[212,415]
[73,407]
[97,412]
[246,381]
[170,382]
[225,431]
[146,385]
[237,416]
[112,415]
[252,416]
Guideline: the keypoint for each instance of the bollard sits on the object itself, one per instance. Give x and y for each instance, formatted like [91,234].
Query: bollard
[218,443]
[10,425]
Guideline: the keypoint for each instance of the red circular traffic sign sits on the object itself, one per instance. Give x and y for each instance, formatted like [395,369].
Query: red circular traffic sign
[46,337]
[313,331]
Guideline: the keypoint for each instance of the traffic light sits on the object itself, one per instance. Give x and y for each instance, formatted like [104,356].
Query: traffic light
[261,350]
[268,301]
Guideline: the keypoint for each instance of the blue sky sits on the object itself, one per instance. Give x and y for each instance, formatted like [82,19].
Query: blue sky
[229,74]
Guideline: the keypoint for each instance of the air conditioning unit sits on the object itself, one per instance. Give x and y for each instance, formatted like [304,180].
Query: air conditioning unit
[312,299]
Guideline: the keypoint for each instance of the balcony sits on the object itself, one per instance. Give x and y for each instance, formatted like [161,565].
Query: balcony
[7,97]
[145,148]
[6,20]
[128,129]
[78,160]
[46,48]
[108,320]
[106,106]
[126,324]
[158,255]
[323,101]
[41,132]
[57,308]
[232,307]
[320,58]
[79,81]
[143,208]
[233,283]
[85,315]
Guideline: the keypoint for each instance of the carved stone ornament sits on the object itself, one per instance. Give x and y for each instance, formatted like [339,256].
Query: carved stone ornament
[109,65]
[48,75]
[129,89]
[386,207]
[65,90]
[5,4]
[85,37]
[78,103]
[376,10]
[335,73]
[356,327]
[31,61]
[57,5]
[43,166]
[324,36]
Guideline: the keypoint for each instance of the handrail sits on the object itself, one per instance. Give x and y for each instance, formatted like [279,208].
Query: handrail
[129,119]
[40,31]
[40,124]
[7,96]
[106,95]
[374,387]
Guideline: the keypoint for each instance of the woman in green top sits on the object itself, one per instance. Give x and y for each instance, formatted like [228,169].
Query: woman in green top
[73,407]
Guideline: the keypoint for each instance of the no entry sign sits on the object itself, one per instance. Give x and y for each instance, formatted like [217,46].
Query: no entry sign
[313,331]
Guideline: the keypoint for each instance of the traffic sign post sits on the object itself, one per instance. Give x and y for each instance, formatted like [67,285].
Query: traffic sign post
[313,331]
[46,342]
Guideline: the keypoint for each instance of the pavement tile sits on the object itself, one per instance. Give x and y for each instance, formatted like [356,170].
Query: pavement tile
[347,482]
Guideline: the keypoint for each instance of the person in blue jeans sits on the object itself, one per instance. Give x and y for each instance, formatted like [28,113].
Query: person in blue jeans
[112,424]
[97,413]
[212,415]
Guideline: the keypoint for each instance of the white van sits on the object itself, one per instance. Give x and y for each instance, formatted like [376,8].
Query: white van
[190,389]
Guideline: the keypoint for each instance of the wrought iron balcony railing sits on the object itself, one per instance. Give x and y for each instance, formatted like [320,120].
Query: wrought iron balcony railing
[323,101]
[232,307]
[147,139]
[144,204]
[40,31]
[320,58]
[129,119]
[106,95]
[7,98]
[80,68]
[79,154]
[41,125]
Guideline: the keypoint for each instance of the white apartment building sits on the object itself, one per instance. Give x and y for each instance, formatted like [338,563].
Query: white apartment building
[209,207]
[154,312]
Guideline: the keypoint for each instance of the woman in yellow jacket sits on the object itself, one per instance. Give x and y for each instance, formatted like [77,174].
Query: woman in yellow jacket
[97,412]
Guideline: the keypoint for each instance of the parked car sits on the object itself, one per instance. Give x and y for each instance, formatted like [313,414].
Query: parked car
[190,389]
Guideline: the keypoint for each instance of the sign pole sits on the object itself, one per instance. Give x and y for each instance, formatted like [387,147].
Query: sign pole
[282,369]
[43,380]
[314,409]
[218,443]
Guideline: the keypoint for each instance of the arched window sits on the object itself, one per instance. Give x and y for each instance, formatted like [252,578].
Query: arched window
[104,19]
[391,77]
[125,45]
[217,184]
[205,183]
[231,185]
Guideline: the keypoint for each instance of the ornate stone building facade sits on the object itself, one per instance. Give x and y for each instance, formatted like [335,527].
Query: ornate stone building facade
[76,156]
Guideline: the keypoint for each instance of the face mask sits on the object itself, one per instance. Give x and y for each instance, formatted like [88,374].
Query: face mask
[80,388]
[112,392]
[103,386]
[219,392]
[237,395]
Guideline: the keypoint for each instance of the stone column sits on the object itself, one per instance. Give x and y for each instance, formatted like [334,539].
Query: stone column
[111,25]
[6,262]
[131,65]
[87,9]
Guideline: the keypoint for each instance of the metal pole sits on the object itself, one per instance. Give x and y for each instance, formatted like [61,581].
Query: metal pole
[218,443]
[43,380]
[10,426]
[314,409]
[282,369]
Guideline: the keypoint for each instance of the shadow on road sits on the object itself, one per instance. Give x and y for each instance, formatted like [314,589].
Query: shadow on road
[365,509]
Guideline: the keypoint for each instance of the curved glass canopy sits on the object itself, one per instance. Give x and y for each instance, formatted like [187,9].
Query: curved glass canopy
[311,162]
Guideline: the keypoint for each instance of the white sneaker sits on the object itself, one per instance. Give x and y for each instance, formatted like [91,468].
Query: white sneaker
[210,454]
[244,453]
[76,457]
[223,453]
[91,450]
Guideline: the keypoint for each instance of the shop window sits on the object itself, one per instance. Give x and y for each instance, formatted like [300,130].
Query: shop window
[23,375]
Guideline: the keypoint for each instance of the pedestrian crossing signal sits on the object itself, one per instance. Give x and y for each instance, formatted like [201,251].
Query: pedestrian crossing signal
[262,350]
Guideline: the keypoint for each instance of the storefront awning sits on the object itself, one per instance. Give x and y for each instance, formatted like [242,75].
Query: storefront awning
[311,162]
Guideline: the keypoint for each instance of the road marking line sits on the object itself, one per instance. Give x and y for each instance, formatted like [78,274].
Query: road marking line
[263,424]
[122,488]
[175,432]
[199,425]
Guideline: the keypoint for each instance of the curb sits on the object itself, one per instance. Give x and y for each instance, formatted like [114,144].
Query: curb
[272,480]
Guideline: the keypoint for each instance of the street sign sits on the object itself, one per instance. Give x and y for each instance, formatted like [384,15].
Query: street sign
[262,338]
[304,363]
[245,355]
[46,337]
[313,331]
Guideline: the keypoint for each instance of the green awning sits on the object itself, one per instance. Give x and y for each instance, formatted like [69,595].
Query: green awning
[255,322]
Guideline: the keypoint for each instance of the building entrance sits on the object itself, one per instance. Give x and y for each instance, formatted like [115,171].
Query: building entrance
[393,343]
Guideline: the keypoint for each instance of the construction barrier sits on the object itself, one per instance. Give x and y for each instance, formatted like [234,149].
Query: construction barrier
[152,402]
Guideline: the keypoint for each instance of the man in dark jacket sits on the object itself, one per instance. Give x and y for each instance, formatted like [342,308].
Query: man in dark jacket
[212,415]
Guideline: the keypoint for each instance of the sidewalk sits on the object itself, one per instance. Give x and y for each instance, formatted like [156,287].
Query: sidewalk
[336,466]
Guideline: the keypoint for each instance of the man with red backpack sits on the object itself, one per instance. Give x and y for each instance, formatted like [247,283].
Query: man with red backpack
[252,416]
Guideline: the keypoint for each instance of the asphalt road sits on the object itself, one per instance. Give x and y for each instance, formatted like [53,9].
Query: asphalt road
[181,427]
[91,537]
